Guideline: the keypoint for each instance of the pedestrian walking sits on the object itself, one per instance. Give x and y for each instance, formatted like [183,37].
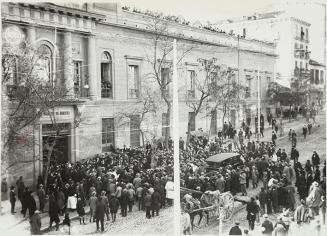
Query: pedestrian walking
[41,196]
[80,210]
[252,210]
[124,202]
[155,202]
[113,205]
[147,204]
[35,223]
[105,201]
[305,131]
[53,211]
[30,204]
[315,159]
[131,197]
[273,137]
[93,203]
[263,200]
[243,183]
[12,199]
[99,213]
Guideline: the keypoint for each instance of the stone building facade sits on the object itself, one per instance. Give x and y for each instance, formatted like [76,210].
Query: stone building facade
[100,52]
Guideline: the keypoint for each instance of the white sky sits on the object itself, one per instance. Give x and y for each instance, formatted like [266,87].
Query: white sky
[215,10]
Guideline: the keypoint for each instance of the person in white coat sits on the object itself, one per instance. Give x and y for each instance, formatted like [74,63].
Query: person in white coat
[170,191]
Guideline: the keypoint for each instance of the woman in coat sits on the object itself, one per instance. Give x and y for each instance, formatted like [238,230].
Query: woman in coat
[113,205]
[61,201]
[155,201]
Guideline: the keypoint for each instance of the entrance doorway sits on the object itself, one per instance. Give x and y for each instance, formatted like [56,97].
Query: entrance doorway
[60,152]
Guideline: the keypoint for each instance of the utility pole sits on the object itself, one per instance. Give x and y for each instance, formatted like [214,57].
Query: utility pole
[177,211]
[259,103]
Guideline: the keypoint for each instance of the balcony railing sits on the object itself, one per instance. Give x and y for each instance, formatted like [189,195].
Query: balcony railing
[106,89]
[106,92]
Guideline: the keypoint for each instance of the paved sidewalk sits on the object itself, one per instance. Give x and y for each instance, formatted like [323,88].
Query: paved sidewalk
[17,223]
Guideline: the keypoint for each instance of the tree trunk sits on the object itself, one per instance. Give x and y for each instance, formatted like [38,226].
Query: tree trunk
[142,136]
[50,150]
[188,134]
[167,128]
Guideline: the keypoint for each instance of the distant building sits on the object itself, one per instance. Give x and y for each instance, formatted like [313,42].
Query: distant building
[290,34]
[317,86]
[100,52]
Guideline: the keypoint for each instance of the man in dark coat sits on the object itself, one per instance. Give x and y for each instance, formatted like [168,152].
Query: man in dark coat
[41,195]
[155,201]
[31,204]
[315,159]
[24,200]
[263,200]
[99,213]
[294,154]
[53,211]
[12,198]
[274,199]
[235,230]
[113,205]
[267,225]
[35,222]
[252,211]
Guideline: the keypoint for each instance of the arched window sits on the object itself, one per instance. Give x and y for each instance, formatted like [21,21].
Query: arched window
[106,75]
[43,65]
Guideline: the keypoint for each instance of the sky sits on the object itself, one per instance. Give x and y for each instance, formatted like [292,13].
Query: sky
[215,10]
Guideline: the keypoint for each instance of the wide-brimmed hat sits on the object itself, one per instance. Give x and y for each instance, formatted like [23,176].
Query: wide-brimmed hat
[315,184]
[265,216]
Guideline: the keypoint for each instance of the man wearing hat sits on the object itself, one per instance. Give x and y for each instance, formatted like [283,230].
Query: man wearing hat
[267,226]
[235,230]
[41,195]
[314,198]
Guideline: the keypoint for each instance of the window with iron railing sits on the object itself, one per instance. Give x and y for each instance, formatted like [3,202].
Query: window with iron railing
[191,84]
[133,81]
[106,75]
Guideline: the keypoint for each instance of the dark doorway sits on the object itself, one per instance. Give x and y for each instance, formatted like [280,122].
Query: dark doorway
[60,153]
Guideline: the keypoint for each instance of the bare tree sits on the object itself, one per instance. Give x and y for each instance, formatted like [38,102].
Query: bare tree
[146,104]
[204,85]
[30,97]
[226,94]
[160,59]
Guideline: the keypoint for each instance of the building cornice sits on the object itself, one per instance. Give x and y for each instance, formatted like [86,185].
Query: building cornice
[63,10]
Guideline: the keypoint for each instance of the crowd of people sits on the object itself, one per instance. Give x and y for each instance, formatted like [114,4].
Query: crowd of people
[127,179]
[280,175]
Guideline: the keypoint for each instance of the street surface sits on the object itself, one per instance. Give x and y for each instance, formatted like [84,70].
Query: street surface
[314,142]
[134,223]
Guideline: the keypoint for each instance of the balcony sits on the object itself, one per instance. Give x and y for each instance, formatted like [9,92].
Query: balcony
[81,92]
[106,90]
